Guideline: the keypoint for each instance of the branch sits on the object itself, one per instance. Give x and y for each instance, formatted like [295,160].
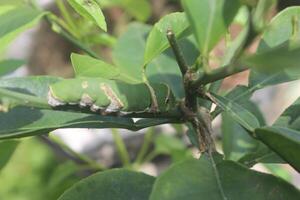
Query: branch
[177,52]
[216,75]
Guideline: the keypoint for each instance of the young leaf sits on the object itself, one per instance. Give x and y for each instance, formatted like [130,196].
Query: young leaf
[157,40]
[7,149]
[15,21]
[112,184]
[237,112]
[86,66]
[90,10]
[210,20]
[208,179]
[8,66]
[285,142]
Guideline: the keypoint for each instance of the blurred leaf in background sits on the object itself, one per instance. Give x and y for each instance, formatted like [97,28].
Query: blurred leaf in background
[34,176]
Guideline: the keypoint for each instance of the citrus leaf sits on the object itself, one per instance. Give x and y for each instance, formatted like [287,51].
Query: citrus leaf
[219,180]
[15,21]
[210,20]
[7,148]
[112,184]
[157,40]
[8,66]
[285,142]
[90,10]
[86,66]
[237,112]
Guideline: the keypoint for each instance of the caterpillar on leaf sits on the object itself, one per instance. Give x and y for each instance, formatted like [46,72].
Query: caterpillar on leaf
[111,96]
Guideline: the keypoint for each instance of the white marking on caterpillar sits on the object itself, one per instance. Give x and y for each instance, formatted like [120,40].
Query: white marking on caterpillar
[115,103]
[86,100]
[53,100]
[95,108]
[84,84]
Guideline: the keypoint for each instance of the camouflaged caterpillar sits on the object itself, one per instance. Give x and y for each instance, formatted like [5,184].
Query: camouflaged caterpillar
[111,96]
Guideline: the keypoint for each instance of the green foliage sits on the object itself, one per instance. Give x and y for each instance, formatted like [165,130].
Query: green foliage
[8,66]
[161,72]
[90,10]
[215,179]
[210,20]
[15,21]
[126,185]
[37,175]
[284,141]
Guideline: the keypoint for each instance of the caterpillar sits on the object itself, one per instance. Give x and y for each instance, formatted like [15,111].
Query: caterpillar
[111,96]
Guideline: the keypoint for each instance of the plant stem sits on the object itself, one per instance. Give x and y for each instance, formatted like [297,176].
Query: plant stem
[177,52]
[77,157]
[61,6]
[145,148]
[150,156]
[202,125]
[121,148]
[217,74]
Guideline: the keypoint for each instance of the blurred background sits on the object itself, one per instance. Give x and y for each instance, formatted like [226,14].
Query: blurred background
[42,169]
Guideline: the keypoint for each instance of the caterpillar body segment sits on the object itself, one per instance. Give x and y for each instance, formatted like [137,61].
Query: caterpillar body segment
[110,96]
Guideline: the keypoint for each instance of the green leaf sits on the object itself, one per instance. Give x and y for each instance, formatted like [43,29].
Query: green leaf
[290,117]
[16,21]
[275,59]
[172,146]
[210,20]
[90,10]
[128,53]
[162,69]
[35,85]
[236,141]
[140,9]
[238,113]
[113,185]
[23,122]
[29,91]
[157,40]
[7,149]
[86,66]
[219,180]
[274,37]
[285,142]
[239,146]
[8,66]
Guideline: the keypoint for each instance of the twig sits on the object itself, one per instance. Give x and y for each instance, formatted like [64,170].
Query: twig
[66,151]
[177,52]
[217,74]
